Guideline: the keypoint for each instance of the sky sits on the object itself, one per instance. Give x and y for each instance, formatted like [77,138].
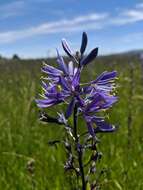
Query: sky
[34,28]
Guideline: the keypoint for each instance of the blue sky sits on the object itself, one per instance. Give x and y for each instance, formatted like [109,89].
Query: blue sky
[34,28]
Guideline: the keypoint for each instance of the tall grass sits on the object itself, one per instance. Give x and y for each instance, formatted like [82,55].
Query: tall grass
[26,160]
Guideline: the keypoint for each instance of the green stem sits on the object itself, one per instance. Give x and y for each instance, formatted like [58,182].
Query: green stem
[78,149]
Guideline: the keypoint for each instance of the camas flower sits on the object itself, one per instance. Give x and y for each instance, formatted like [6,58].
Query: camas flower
[104,83]
[63,85]
[94,106]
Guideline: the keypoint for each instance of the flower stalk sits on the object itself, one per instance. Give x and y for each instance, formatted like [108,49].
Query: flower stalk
[78,149]
[88,100]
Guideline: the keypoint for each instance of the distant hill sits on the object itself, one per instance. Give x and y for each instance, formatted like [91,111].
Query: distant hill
[129,55]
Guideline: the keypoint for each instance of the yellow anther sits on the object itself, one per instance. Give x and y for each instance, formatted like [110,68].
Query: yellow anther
[59,87]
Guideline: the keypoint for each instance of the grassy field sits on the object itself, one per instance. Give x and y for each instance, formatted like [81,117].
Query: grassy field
[26,160]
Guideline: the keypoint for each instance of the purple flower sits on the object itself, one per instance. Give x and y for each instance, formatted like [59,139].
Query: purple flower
[93,108]
[63,85]
[89,100]
[104,83]
[52,96]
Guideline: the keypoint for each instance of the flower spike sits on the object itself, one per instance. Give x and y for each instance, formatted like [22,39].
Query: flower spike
[89,101]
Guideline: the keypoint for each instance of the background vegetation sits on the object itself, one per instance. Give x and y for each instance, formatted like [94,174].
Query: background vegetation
[26,160]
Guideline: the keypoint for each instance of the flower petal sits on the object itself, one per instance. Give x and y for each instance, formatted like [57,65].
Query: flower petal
[61,63]
[83,43]
[90,129]
[106,77]
[71,68]
[97,99]
[64,83]
[66,48]
[90,57]
[51,70]
[76,79]
[70,108]
[47,103]
[103,127]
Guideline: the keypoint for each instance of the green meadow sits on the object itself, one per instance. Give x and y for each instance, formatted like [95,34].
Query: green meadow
[27,162]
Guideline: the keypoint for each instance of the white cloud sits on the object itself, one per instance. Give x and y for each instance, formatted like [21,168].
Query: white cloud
[91,21]
[11,9]
[129,16]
